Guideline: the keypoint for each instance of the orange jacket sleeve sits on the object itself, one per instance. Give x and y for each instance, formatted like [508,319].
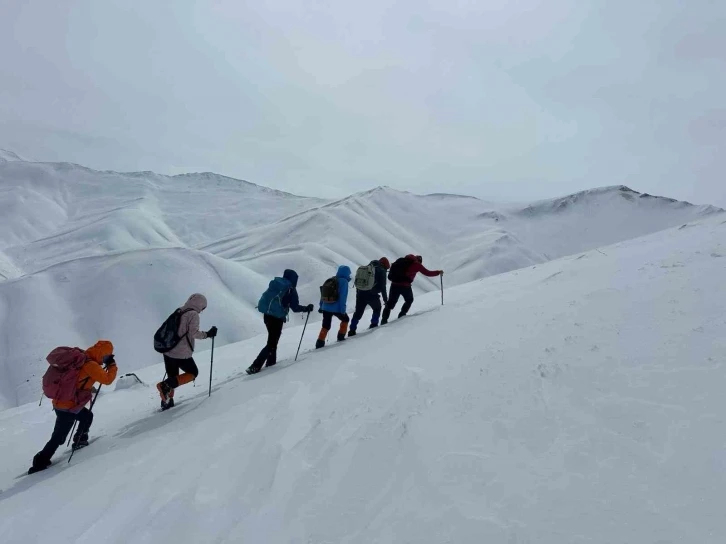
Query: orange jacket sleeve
[97,373]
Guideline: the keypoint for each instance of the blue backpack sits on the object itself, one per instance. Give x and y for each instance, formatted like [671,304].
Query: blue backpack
[271,300]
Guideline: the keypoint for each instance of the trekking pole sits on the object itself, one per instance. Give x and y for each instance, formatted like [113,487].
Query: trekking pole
[74,423]
[301,336]
[441,277]
[211,366]
[41,398]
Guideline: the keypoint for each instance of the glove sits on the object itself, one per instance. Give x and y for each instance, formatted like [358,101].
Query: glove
[211,333]
[309,308]
[441,272]
[320,310]
[108,360]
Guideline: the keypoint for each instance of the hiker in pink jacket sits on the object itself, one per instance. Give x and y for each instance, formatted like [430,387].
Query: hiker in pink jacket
[180,356]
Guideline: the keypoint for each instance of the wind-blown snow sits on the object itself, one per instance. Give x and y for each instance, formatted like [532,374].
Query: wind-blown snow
[87,254]
[580,400]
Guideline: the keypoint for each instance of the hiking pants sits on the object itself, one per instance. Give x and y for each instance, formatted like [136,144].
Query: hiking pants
[396,291]
[63,424]
[362,300]
[172,370]
[328,322]
[268,354]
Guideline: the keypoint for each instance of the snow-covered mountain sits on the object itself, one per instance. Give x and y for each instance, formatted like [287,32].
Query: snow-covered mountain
[580,400]
[87,254]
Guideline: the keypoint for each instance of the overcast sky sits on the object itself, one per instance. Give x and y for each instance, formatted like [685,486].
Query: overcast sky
[502,99]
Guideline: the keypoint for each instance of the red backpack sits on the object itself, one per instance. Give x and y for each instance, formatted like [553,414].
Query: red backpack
[60,381]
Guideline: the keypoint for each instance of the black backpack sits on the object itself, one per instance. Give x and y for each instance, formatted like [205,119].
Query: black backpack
[397,273]
[329,292]
[167,337]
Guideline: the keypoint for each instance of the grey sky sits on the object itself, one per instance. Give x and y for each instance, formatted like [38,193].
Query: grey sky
[501,99]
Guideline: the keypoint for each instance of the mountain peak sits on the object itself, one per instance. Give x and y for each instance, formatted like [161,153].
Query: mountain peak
[10,156]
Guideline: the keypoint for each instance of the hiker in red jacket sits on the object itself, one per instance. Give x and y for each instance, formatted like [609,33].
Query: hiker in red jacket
[402,274]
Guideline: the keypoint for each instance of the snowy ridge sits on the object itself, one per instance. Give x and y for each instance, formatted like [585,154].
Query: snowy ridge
[580,400]
[75,242]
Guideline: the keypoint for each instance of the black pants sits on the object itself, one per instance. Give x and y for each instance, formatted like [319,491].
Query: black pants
[268,354]
[328,319]
[63,424]
[394,294]
[173,366]
[363,300]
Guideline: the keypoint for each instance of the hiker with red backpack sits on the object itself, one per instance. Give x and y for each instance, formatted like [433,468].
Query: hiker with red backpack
[370,282]
[402,273]
[69,382]
[333,301]
[275,303]
[179,357]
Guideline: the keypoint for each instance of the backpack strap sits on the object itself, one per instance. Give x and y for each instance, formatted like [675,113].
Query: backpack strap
[186,334]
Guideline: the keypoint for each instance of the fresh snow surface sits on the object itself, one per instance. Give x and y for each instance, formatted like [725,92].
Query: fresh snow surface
[87,254]
[578,401]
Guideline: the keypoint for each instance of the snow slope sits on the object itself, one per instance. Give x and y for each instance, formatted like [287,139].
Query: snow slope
[85,253]
[576,401]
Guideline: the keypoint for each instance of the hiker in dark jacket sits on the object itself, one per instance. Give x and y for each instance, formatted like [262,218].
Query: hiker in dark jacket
[336,308]
[402,274]
[180,356]
[371,297]
[281,297]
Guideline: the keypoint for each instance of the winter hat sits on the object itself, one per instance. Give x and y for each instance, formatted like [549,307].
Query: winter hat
[385,262]
[419,258]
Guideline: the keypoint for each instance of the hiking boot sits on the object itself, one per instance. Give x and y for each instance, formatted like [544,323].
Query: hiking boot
[166,405]
[164,392]
[351,332]
[373,326]
[319,344]
[40,462]
[253,369]
[341,337]
[80,441]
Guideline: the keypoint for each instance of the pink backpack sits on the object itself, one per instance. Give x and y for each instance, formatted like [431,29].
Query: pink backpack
[60,381]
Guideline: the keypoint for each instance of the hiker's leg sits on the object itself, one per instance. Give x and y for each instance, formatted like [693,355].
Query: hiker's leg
[172,371]
[408,300]
[190,371]
[85,419]
[393,295]
[375,304]
[324,328]
[63,424]
[343,330]
[274,332]
[360,307]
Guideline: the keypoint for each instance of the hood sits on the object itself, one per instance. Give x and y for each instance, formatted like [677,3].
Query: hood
[291,276]
[99,350]
[343,272]
[196,302]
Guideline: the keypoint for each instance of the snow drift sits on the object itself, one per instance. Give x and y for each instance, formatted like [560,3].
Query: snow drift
[580,400]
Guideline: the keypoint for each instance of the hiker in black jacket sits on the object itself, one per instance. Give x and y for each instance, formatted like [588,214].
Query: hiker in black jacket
[371,297]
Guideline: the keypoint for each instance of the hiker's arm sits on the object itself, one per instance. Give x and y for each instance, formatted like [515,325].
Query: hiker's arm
[193,328]
[381,281]
[98,374]
[426,272]
[295,302]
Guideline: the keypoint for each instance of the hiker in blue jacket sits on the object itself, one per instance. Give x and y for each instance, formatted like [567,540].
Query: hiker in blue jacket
[334,296]
[280,297]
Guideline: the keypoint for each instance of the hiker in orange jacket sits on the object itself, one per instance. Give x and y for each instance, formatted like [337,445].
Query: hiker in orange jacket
[68,412]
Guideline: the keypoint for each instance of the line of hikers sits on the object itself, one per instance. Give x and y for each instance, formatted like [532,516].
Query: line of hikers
[71,377]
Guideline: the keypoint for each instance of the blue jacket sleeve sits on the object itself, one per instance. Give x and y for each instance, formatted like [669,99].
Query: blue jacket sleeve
[293,301]
[343,299]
